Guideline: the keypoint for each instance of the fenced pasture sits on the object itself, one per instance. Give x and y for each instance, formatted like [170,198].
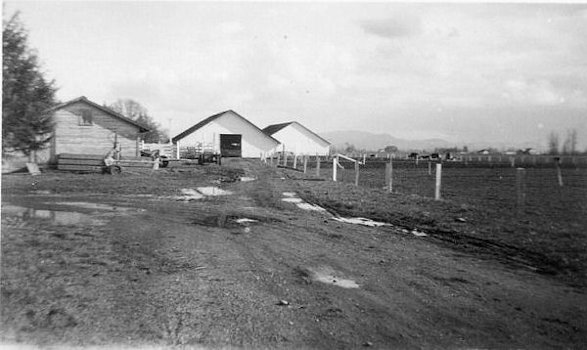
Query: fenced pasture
[520,186]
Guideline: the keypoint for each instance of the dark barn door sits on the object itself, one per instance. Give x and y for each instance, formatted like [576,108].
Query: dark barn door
[230,145]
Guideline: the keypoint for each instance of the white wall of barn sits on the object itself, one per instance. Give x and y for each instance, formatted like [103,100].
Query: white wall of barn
[253,144]
[298,140]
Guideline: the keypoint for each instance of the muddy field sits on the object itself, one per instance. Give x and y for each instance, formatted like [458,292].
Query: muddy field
[249,256]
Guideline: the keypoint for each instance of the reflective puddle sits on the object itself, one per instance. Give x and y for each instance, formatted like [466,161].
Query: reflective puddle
[329,276]
[361,221]
[291,197]
[292,200]
[212,191]
[54,216]
[189,194]
[94,206]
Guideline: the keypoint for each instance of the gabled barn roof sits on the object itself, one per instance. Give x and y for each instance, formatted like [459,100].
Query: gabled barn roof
[211,119]
[272,129]
[104,109]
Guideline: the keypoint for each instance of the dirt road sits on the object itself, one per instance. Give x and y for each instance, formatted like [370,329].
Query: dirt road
[138,261]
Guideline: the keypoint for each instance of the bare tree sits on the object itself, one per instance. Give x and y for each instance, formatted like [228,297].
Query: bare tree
[137,112]
[129,108]
[553,143]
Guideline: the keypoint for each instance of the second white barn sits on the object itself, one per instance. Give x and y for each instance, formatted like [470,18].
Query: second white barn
[298,139]
[229,134]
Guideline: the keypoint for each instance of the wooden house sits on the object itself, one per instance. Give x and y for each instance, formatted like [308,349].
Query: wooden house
[85,127]
[297,139]
[228,134]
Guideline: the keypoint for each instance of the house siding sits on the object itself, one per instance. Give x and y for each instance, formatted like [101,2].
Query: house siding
[253,144]
[98,138]
[296,139]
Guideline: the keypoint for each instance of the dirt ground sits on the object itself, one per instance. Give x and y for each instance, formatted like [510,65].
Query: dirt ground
[172,259]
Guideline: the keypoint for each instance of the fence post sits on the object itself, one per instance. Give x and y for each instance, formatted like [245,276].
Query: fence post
[438,177]
[305,163]
[429,168]
[520,189]
[559,174]
[334,165]
[317,165]
[357,173]
[278,159]
[271,159]
[295,162]
[389,175]
[513,161]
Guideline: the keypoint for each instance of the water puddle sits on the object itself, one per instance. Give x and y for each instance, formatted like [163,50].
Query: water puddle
[292,200]
[291,197]
[54,216]
[419,233]
[94,206]
[308,206]
[245,221]
[329,276]
[190,194]
[361,221]
[247,179]
[212,191]
[229,221]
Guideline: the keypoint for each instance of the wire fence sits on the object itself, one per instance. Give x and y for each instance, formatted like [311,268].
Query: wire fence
[505,183]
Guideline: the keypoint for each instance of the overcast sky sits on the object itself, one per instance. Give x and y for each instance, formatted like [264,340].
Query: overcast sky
[484,73]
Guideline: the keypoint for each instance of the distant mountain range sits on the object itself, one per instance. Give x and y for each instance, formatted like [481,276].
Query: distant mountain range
[373,142]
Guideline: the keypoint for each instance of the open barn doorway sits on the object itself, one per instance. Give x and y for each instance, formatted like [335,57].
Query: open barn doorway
[231,145]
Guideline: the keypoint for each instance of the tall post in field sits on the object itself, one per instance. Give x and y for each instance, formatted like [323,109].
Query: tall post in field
[284,159]
[357,173]
[389,175]
[559,174]
[317,165]
[520,189]
[334,165]
[513,160]
[305,163]
[295,162]
[438,177]
[429,168]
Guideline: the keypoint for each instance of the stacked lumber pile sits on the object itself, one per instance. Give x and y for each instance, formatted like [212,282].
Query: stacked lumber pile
[95,162]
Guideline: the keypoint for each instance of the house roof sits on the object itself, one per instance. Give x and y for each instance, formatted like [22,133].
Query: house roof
[272,129]
[104,109]
[211,119]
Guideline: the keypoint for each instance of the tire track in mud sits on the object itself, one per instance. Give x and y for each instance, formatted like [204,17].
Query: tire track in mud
[511,256]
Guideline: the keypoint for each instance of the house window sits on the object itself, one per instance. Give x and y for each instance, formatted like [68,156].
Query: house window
[85,117]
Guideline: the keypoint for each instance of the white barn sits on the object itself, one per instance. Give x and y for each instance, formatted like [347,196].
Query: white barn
[229,134]
[298,139]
